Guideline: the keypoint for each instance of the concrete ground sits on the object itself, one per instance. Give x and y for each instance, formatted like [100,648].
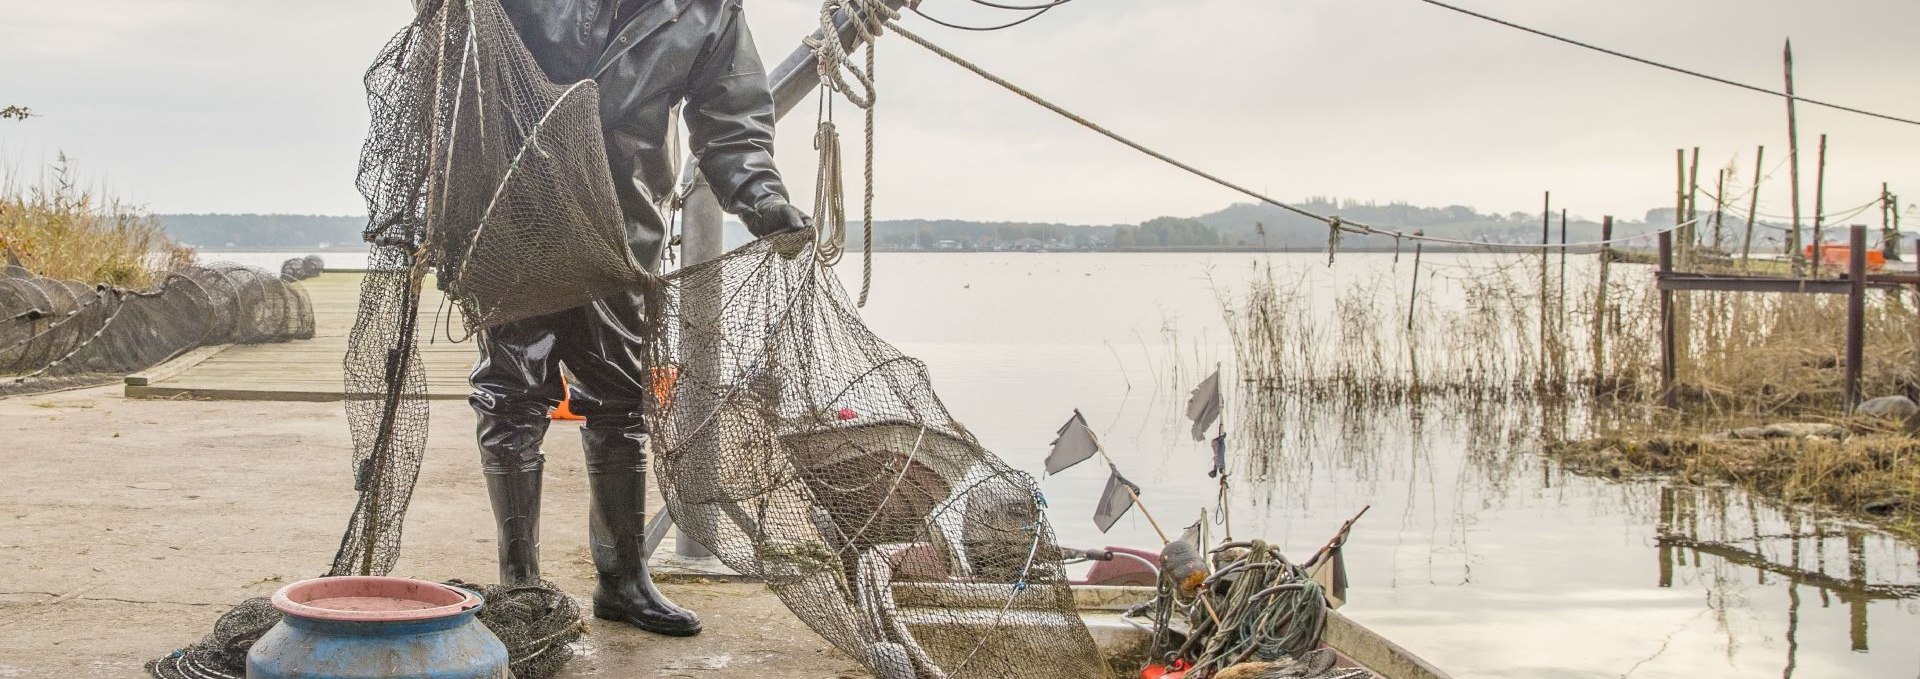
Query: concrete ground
[128,526]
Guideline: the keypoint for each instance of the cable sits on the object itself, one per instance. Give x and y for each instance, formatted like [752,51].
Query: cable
[1030,17]
[1335,224]
[1042,6]
[1668,67]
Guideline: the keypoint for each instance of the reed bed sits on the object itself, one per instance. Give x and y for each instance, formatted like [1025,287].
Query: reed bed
[1490,332]
[57,229]
[1874,472]
[1521,360]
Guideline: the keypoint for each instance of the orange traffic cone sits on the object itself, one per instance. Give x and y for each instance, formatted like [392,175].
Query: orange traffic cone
[563,412]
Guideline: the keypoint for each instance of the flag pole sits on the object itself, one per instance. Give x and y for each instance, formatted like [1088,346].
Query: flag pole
[1226,496]
[1208,604]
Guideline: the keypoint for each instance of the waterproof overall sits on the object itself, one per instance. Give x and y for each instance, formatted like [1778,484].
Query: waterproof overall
[647,56]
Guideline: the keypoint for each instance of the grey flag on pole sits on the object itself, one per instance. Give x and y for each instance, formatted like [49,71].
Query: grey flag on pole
[1204,407]
[1073,445]
[1115,502]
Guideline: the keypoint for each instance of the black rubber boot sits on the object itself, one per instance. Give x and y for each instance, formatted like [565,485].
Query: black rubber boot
[512,463]
[617,474]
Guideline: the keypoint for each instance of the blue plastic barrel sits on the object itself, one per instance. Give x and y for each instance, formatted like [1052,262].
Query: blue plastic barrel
[377,628]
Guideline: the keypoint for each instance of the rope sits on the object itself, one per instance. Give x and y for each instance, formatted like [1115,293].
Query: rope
[1270,610]
[1334,222]
[829,201]
[1675,69]
[870,18]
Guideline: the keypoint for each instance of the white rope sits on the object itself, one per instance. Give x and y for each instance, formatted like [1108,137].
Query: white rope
[870,18]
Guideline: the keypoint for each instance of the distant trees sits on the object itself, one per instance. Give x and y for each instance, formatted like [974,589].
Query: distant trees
[1164,232]
[14,112]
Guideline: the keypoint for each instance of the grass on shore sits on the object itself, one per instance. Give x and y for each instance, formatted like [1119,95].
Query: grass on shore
[1874,472]
[58,230]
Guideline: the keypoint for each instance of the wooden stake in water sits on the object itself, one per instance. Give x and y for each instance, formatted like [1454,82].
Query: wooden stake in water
[1668,352]
[1692,241]
[1719,207]
[1546,225]
[1856,312]
[1793,163]
[1819,202]
[1753,207]
[1600,300]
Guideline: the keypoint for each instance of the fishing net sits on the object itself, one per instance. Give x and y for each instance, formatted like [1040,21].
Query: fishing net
[52,330]
[789,440]
[804,450]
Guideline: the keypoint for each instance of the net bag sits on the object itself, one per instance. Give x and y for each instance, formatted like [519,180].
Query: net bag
[805,451]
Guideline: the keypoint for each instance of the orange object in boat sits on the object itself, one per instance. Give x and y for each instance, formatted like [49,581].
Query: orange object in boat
[1158,671]
[1837,256]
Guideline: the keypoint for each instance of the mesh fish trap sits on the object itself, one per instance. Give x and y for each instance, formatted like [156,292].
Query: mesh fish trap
[53,329]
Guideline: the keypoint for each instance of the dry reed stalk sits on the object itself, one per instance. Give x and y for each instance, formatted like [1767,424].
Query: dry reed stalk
[59,230]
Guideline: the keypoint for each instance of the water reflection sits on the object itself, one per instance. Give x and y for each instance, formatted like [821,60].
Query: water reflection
[1478,554]
[1701,529]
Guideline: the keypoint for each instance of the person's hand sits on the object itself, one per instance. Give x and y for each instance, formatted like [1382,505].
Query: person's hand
[776,218]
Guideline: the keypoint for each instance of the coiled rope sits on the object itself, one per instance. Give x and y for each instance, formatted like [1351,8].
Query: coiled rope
[870,18]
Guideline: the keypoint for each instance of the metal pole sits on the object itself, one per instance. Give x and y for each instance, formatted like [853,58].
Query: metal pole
[703,233]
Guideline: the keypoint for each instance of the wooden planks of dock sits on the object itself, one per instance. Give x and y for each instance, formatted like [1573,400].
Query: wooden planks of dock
[307,370]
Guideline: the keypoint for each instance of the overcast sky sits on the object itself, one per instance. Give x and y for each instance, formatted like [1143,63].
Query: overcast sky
[256,105]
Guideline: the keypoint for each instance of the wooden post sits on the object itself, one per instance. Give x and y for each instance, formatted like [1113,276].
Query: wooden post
[1719,207]
[1668,352]
[1680,199]
[1753,207]
[1856,313]
[1600,301]
[1889,241]
[1793,164]
[1413,297]
[1692,244]
[1560,307]
[1546,224]
[1819,202]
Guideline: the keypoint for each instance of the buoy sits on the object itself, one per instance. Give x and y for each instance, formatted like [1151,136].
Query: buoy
[363,626]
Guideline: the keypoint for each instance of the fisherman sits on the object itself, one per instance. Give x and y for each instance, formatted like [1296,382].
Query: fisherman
[647,57]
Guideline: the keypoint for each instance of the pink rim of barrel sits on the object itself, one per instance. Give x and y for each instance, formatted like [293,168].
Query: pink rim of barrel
[441,600]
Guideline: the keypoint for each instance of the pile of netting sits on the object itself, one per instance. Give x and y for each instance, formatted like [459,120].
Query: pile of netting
[54,329]
[537,625]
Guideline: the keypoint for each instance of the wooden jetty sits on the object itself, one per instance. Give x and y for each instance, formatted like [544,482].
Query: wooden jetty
[308,370]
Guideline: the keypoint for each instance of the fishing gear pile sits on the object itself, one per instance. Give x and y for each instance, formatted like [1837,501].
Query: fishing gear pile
[1255,616]
[56,330]
[789,440]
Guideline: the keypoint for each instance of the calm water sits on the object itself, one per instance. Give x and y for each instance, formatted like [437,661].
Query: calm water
[1476,554]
